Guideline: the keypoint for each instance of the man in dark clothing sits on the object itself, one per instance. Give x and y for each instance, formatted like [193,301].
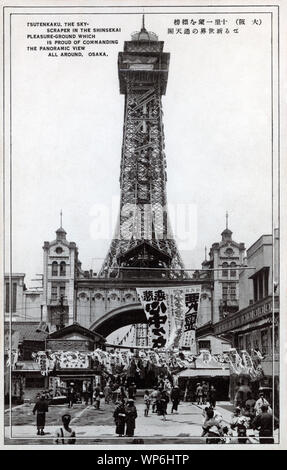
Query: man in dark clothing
[212,396]
[132,391]
[250,402]
[175,398]
[131,415]
[204,392]
[264,422]
[71,395]
[41,407]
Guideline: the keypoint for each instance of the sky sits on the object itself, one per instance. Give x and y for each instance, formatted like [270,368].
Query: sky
[67,125]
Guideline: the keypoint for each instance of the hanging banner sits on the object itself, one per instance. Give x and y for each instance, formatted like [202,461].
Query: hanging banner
[170,311]
[155,305]
[192,298]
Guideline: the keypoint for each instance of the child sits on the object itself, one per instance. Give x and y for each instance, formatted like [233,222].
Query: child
[147,402]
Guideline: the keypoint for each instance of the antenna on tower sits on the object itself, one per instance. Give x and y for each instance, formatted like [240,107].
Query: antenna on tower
[226,215]
[61,218]
[205,250]
[143,23]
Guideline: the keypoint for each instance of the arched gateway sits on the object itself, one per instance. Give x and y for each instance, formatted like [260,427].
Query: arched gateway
[117,318]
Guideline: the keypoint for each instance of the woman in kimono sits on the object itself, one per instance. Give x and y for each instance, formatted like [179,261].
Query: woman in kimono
[131,415]
[120,418]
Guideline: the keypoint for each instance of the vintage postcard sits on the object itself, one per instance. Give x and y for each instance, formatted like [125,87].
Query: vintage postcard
[144,224]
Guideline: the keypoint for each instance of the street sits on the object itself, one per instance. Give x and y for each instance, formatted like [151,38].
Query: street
[97,426]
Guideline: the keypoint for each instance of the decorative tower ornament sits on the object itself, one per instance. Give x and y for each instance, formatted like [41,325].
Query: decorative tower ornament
[143,237]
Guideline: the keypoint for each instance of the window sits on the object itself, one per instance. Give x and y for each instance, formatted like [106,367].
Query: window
[54,268]
[62,268]
[7,297]
[233,291]
[255,290]
[225,271]
[54,291]
[204,344]
[59,250]
[229,252]
[224,291]
[62,290]
[264,341]
[248,343]
[233,271]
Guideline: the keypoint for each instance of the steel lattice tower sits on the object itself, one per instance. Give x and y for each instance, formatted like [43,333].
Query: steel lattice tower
[143,237]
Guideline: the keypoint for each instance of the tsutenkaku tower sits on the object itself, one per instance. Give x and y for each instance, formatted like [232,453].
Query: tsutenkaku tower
[143,237]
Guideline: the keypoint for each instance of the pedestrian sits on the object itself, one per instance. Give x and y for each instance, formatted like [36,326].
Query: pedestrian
[41,408]
[107,393]
[175,398]
[264,423]
[162,404]
[90,393]
[131,415]
[212,396]
[120,418]
[260,402]
[250,401]
[147,401]
[204,392]
[132,391]
[71,395]
[65,434]
[211,428]
[154,396]
[199,393]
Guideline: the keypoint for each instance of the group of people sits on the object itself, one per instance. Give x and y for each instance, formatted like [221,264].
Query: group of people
[204,394]
[254,415]
[125,415]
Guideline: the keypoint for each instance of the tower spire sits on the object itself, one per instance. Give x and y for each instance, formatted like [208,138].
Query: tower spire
[226,216]
[205,251]
[61,218]
[143,24]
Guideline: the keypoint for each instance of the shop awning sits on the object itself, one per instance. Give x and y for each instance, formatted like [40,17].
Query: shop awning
[204,373]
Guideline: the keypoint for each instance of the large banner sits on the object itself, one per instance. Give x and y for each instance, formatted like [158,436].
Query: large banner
[170,311]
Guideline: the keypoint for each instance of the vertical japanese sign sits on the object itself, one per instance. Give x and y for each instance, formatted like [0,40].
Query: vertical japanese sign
[170,311]
[192,297]
[155,305]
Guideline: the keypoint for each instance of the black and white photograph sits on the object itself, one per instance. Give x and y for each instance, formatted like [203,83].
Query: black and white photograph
[142,264]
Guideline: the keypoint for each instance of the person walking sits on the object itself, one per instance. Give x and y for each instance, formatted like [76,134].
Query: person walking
[264,423]
[199,393]
[90,393]
[71,395]
[175,398]
[250,402]
[131,415]
[132,391]
[154,396]
[107,393]
[212,428]
[120,418]
[204,392]
[147,401]
[212,396]
[162,404]
[65,434]
[260,402]
[41,408]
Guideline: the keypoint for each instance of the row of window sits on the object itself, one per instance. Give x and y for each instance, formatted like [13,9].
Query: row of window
[58,269]
[58,290]
[232,271]
[260,340]
[229,291]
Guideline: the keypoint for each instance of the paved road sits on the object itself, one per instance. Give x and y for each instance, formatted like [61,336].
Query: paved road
[93,426]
